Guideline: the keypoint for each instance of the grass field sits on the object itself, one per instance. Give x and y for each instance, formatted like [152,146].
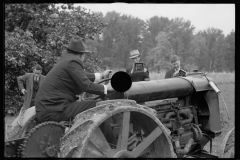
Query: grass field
[219,78]
[226,83]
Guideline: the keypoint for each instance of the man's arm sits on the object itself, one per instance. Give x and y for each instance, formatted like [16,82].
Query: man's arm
[94,77]
[79,76]
[22,80]
[167,75]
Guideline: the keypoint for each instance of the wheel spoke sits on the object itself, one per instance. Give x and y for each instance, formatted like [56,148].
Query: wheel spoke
[92,151]
[124,132]
[99,140]
[146,142]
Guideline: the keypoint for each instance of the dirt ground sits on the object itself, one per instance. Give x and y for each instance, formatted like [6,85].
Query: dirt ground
[228,93]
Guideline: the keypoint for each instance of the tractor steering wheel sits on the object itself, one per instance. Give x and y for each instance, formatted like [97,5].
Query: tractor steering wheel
[103,97]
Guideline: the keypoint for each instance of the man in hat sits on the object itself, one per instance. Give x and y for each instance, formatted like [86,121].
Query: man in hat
[136,75]
[175,71]
[56,98]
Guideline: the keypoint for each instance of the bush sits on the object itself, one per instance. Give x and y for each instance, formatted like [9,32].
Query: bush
[35,34]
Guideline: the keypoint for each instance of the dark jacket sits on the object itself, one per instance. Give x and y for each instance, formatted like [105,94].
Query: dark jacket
[27,79]
[64,81]
[180,73]
[138,76]
[170,73]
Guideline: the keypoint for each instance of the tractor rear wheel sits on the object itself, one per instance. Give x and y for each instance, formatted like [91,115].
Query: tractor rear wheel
[117,129]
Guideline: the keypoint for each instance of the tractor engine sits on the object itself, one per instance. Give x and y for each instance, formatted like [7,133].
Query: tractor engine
[180,119]
[187,106]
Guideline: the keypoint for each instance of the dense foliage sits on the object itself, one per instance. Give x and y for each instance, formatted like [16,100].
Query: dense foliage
[36,34]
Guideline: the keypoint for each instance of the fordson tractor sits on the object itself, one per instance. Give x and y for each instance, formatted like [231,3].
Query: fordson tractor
[167,118]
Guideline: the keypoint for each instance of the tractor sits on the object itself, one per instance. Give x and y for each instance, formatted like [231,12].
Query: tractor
[167,118]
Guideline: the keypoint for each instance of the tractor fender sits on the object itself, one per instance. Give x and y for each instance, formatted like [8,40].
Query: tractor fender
[15,127]
[199,82]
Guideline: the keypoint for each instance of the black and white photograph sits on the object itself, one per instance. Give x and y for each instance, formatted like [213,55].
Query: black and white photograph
[119,80]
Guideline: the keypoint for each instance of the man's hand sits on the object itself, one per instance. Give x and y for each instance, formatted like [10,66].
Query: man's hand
[110,74]
[23,91]
[145,70]
[106,73]
[109,87]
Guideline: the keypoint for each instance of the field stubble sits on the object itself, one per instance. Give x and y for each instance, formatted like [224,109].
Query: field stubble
[226,83]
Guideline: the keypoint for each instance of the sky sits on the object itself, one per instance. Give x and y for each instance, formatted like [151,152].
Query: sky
[201,16]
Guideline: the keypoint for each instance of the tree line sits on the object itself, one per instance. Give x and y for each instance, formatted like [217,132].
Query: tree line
[37,33]
[159,38]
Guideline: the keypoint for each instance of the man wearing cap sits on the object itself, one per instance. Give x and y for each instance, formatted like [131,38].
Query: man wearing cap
[174,72]
[56,98]
[135,75]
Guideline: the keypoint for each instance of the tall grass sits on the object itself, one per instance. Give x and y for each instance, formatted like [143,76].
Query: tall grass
[222,77]
[218,77]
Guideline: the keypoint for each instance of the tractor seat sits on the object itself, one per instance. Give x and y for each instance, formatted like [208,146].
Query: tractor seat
[23,118]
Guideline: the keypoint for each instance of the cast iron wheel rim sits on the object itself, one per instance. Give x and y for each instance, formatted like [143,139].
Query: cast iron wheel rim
[156,142]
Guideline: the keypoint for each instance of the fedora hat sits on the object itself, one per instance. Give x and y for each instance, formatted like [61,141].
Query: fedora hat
[134,53]
[76,45]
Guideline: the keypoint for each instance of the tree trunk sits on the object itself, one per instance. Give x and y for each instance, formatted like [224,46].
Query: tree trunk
[210,66]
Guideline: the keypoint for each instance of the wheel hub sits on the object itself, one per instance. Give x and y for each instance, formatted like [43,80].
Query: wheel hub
[51,151]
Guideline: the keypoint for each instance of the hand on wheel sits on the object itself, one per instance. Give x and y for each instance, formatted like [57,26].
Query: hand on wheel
[109,87]
[107,73]
[110,74]
[24,91]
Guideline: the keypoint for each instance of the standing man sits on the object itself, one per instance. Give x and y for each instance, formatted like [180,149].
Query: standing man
[32,81]
[175,71]
[137,75]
